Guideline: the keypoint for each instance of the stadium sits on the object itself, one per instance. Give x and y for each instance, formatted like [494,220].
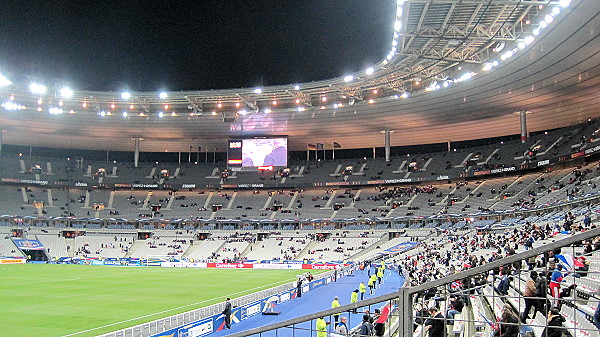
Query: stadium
[456,178]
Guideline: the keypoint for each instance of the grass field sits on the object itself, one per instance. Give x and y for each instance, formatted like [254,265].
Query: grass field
[59,300]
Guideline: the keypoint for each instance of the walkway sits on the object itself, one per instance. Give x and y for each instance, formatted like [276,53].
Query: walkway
[318,300]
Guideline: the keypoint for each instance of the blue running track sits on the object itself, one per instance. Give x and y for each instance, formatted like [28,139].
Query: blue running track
[316,300]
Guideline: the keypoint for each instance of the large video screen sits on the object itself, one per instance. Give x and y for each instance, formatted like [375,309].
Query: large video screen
[264,152]
[257,152]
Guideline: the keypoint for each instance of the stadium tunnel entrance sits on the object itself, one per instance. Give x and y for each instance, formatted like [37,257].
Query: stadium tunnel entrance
[35,255]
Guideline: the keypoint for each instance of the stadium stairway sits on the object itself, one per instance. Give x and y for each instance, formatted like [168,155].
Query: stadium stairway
[317,300]
[310,246]
[134,247]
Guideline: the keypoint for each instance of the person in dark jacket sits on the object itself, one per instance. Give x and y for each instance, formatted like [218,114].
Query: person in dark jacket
[378,327]
[366,328]
[541,292]
[457,306]
[508,324]
[435,324]
[227,313]
[504,285]
[299,287]
[597,316]
[555,324]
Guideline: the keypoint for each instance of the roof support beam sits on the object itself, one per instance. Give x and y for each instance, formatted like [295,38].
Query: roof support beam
[247,102]
[195,106]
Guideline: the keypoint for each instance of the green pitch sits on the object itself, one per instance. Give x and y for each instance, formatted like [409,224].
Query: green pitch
[62,300]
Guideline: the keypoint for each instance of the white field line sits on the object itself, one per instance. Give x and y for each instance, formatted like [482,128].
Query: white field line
[173,309]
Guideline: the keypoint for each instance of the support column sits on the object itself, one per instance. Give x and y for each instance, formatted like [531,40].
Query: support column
[387,144]
[1,134]
[136,152]
[523,119]
[405,310]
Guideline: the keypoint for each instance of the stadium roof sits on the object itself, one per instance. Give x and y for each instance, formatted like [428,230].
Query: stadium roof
[456,70]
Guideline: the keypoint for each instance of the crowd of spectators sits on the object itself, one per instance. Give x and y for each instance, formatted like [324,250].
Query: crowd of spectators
[450,253]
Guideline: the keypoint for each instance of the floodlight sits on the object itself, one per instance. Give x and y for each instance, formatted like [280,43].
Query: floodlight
[564,3]
[163,95]
[348,78]
[12,106]
[528,39]
[296,87]
[4,81]
[66,92]
[55,111]
[258,91]
[370,71]
[464,77]
[161,114]
[126,95]
[37,88]
[124,113]
[507,55]
[397,25]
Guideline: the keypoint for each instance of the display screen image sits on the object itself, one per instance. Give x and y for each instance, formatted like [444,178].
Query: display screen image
[264,152]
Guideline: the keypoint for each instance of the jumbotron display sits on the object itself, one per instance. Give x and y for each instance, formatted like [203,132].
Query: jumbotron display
[257,153]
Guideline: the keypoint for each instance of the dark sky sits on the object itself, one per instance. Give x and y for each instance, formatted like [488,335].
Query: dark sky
[190,45]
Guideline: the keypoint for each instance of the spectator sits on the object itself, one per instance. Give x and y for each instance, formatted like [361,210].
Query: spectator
[379,326]
[366,328]
[342,328]
[541,292]
[504,285]
[555,325]
[435,323]
[508,326]
[456,308]
[529,293]
[555,280]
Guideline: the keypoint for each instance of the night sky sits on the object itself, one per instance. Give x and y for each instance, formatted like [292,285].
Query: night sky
[190,45]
